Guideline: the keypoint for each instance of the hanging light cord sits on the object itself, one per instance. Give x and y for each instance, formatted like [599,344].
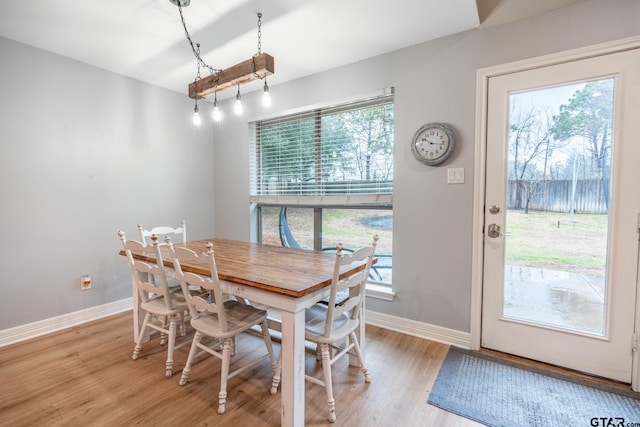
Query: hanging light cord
[259,46]
[259,33]
[195,47]
[196,51]
[197,79]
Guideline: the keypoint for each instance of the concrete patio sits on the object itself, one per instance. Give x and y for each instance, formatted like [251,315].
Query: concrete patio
[555,298]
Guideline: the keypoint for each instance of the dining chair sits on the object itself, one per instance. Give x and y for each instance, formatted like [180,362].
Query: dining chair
[216,316]
[162,231]
[332,326]
[163,309]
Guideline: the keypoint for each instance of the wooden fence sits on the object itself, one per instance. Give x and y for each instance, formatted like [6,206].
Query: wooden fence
[557,195]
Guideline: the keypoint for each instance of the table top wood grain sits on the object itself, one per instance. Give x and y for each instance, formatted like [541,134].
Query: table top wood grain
[277,269]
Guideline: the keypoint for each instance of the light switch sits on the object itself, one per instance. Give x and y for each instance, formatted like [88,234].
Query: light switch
[455,176]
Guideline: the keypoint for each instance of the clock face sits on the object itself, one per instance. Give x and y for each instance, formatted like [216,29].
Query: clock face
[433,143]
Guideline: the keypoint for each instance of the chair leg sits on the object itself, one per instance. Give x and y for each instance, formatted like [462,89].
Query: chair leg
[326,369]
[224,374]
[275,364]
[192,354]
[143,329]
[356,347]
[183,327]
[267,341]
[163,336]
[276,374]
[173,325]
[319,352]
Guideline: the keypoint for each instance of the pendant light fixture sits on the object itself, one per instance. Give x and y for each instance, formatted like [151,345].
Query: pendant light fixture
[216,113]
[266,96]
[258,67]
[237,107]
[197,120]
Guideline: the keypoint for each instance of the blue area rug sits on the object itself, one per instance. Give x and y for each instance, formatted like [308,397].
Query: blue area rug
[504,394]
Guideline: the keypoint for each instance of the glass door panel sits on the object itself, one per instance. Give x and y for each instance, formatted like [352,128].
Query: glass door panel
[557,205]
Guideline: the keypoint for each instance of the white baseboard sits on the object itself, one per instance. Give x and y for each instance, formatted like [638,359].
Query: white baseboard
[398,324]
[46,326]
[419,329]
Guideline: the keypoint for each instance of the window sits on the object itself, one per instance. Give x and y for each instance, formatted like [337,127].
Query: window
[325,176]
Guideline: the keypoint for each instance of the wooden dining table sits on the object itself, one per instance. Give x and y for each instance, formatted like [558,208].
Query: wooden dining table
[287,279]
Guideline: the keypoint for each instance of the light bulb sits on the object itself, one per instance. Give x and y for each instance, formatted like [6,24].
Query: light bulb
[237,108]
[196,116]
[216,113]
[266,96]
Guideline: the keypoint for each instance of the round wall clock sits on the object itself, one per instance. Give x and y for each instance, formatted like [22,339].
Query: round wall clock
[433,143]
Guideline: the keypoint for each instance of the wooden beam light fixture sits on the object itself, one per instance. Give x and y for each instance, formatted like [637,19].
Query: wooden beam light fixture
[259,66]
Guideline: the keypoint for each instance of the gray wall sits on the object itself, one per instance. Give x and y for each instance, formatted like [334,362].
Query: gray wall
[84,152]
[434,81]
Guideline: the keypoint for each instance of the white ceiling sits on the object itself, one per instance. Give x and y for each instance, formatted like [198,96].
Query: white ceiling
[144,39]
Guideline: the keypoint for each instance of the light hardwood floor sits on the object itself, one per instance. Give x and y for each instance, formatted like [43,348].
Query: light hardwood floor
[84,376]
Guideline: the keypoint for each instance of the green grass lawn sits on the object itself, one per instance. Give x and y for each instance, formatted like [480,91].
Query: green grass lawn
[557,241]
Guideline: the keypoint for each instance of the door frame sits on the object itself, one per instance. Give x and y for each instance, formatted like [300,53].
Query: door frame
[482,84]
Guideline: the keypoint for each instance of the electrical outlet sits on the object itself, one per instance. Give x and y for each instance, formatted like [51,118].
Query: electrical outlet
[85,282]
[455,176]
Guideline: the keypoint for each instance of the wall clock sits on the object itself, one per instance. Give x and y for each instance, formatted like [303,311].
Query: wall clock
[433,143]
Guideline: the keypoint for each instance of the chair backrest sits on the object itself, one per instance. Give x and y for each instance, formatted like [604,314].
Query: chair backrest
[163,231]
[150,278]
[351,287]
[211,301]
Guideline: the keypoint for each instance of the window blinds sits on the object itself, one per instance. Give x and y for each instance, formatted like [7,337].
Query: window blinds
[333,156]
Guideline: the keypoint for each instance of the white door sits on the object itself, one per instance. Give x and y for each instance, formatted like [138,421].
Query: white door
[562,204]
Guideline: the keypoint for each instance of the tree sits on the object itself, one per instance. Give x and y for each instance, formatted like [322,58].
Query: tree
[370,134]
[589,114]
[337,154]
[286,151]
[307,152]
[530,144]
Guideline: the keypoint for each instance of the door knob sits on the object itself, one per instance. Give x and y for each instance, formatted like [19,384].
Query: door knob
[494,231]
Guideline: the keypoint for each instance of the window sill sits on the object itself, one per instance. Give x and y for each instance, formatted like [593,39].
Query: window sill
[382,292]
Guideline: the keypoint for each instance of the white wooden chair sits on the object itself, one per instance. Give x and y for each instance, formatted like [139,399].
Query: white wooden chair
[162,231]
[332,326]
[217,317]
[163,309]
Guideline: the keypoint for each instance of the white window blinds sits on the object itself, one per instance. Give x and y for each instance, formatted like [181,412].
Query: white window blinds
[340,155]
